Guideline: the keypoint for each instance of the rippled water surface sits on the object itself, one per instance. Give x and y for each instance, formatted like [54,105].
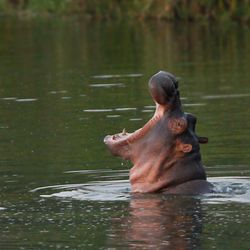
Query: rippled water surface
[65,84]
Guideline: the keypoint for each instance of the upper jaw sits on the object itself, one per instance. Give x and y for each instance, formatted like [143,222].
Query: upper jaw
[125,138]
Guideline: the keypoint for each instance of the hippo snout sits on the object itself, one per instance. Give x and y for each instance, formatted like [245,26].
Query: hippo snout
[106,139]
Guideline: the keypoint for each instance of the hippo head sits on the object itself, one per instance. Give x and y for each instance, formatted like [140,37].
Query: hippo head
[165,151]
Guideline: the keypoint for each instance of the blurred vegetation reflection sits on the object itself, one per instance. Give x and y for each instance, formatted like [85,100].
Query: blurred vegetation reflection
[41,57]
[116,9]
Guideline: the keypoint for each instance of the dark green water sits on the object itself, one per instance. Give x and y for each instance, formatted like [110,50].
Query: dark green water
[65,84]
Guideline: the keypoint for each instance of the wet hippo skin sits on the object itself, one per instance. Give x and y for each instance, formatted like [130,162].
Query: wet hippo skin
[165,151]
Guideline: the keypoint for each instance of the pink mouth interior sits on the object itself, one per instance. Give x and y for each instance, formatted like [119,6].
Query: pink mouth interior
[127,138]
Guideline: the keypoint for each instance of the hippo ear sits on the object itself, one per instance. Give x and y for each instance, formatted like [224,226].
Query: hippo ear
[183,147]
[202,139]
[186,148]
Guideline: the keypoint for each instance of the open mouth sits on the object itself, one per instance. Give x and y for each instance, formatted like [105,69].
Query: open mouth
[125,138]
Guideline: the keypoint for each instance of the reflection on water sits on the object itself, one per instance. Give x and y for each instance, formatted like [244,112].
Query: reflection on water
[156,223]
[65,83]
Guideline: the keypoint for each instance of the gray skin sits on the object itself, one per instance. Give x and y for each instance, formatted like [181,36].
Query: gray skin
[165,151]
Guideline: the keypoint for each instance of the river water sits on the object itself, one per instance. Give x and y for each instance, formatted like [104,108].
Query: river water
[66,83]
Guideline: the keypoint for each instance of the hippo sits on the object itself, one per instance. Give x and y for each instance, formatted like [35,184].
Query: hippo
[165,152]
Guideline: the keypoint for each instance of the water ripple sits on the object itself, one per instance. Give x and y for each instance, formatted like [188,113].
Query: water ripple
[9,98]
[58,92]
[97,110]
[229,189]
[135,119]
[113,116]
[124,109]
[194,104]
[117,76]
[226,96]
[109,110]
[115,186]
[114,190]
[26,100]
[107,85]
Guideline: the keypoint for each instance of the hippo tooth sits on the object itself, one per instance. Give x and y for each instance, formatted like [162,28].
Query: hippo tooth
[124,131]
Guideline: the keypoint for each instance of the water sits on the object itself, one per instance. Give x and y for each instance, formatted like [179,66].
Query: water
[65,84]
